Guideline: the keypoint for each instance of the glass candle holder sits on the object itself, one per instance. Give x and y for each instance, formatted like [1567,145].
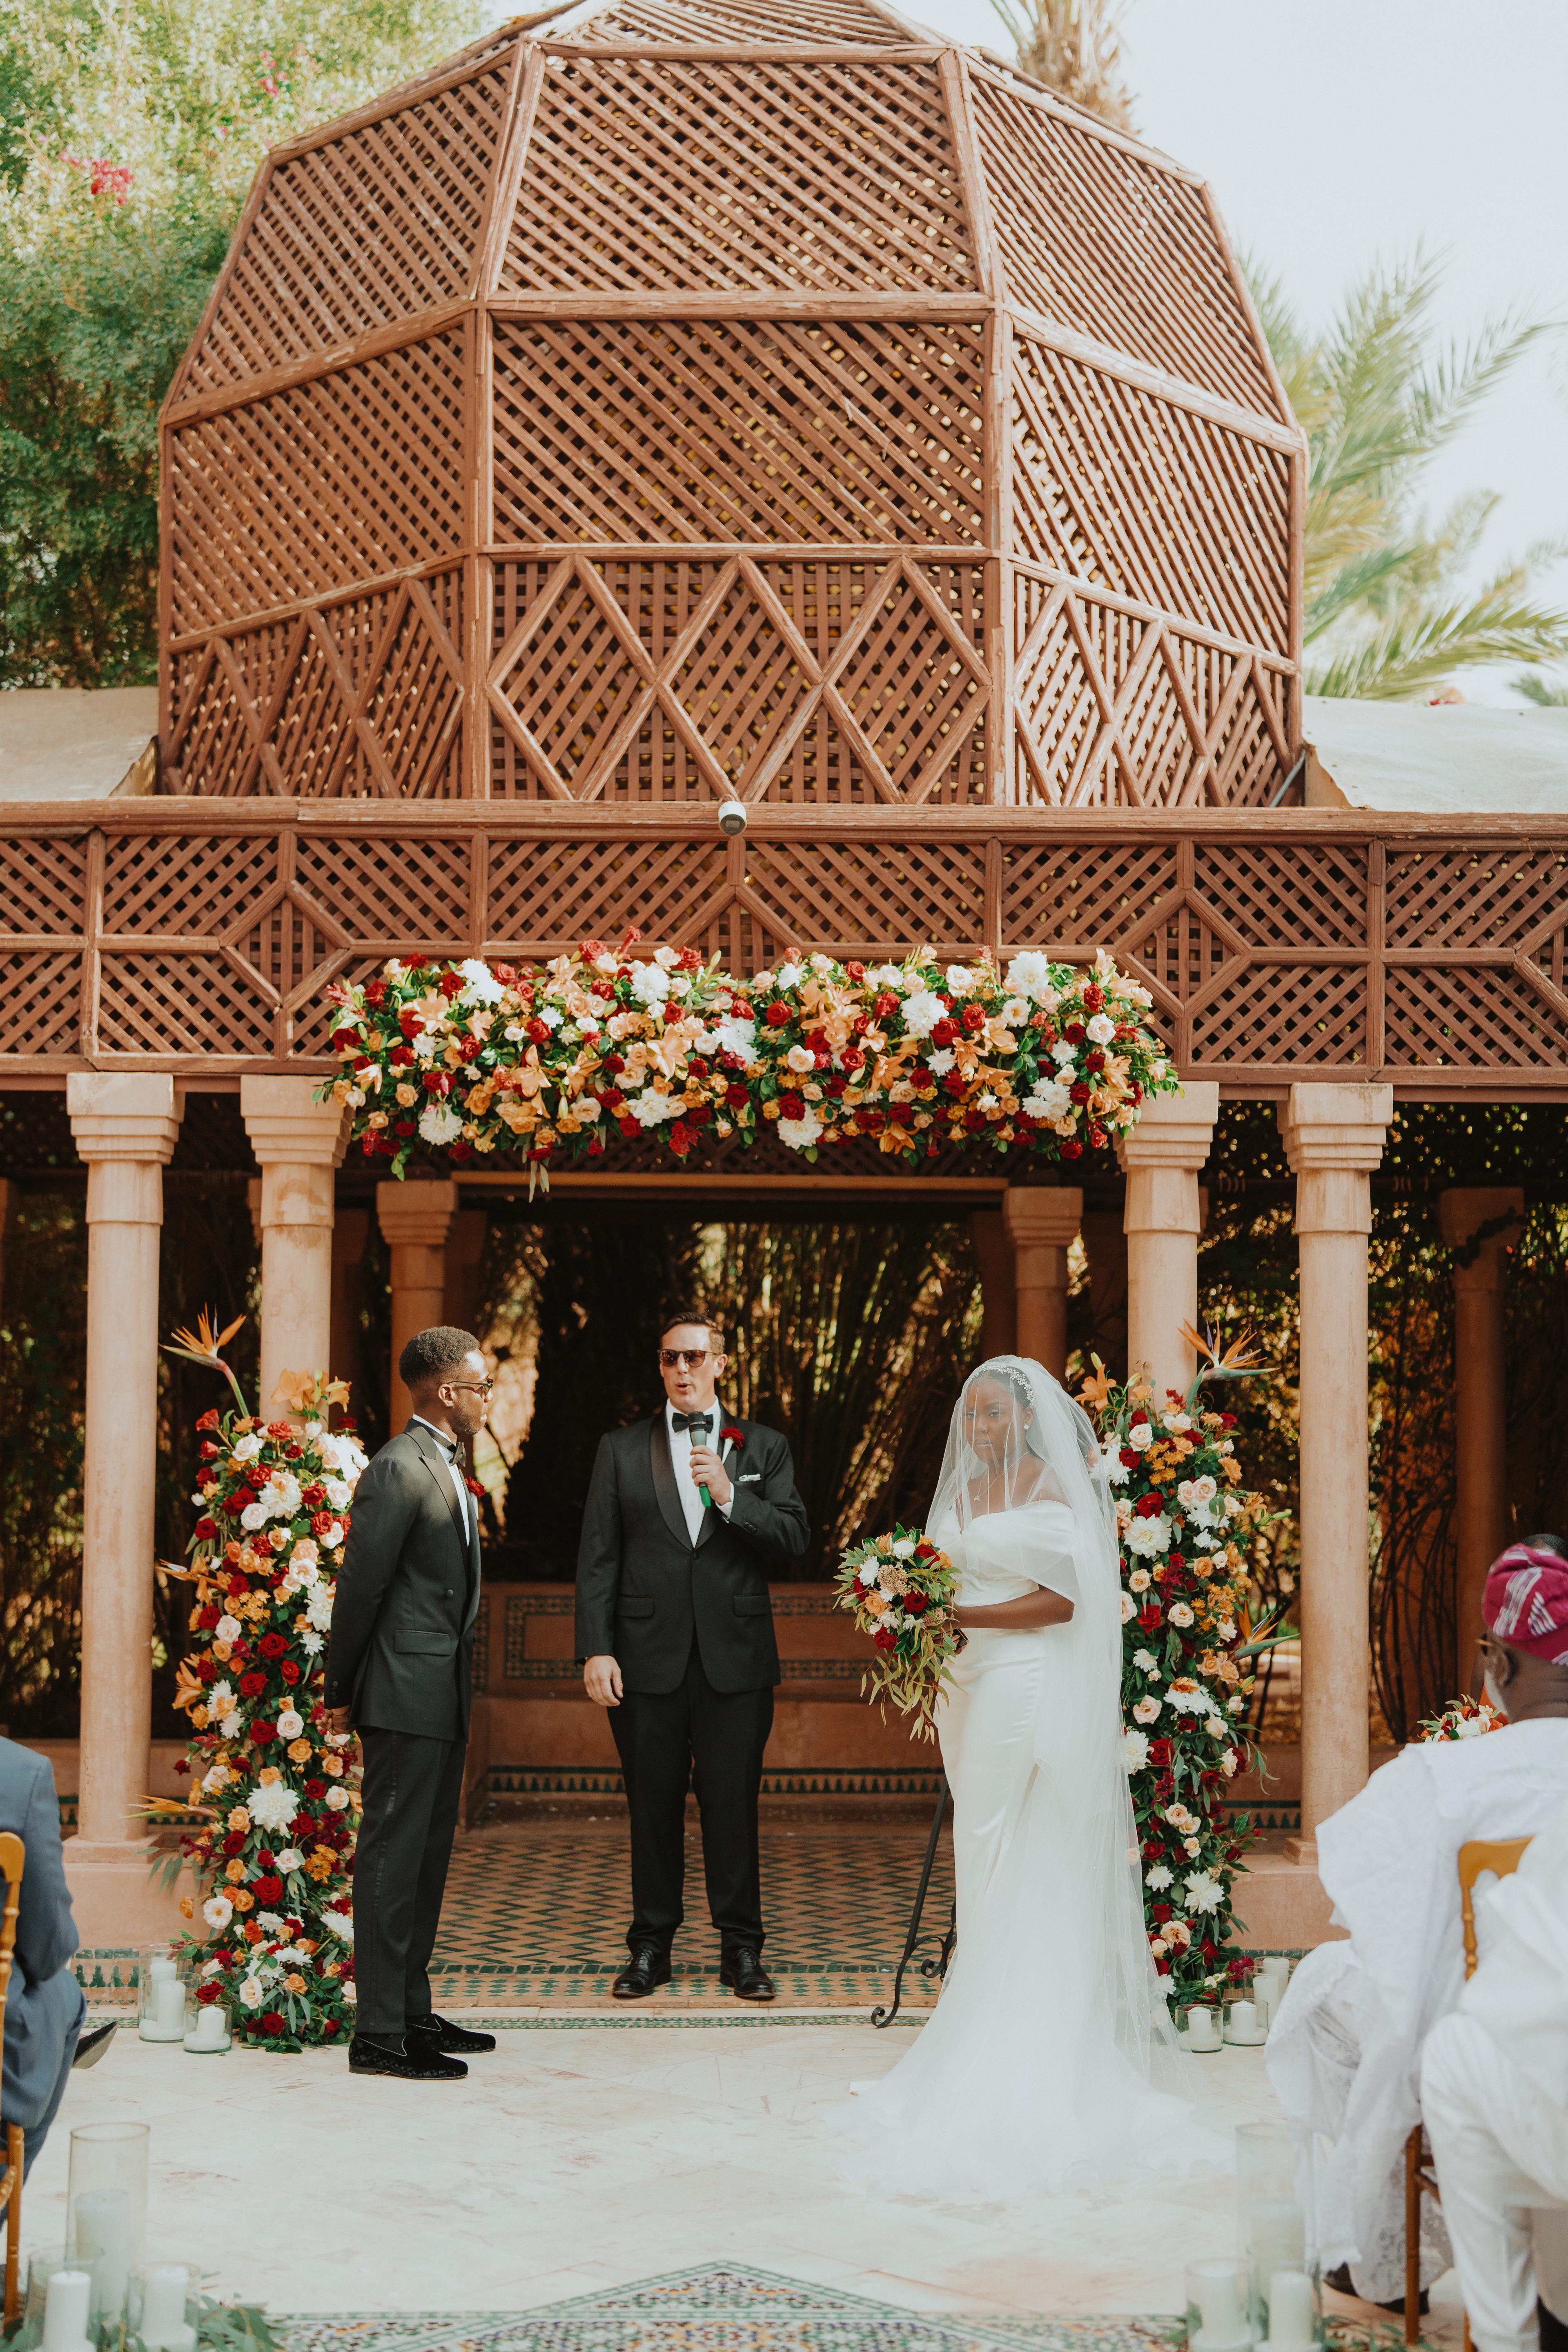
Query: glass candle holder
[106,2204]
[1217,2308]
[161,2008]
[163,2306]
[208,2029]
[41,2268]
[1202,2029]
[1275,2246]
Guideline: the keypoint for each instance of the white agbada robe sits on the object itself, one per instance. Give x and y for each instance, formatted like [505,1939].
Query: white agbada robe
[1494,2088]
[1344,2052]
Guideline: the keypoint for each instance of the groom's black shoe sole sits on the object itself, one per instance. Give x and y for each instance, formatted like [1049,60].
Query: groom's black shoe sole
[643,1973]
[418,2063]
[91,2045]
[455,2041]
[746,1977]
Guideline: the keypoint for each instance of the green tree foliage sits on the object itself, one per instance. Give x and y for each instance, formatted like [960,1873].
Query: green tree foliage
[1392,614]
[130,130]
[1074,46]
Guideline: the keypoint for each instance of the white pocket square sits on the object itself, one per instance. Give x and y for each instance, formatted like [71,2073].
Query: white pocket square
[749,1478]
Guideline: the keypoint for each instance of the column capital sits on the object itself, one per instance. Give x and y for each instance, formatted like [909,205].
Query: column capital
[1462,1211]
[286,1124]
[123,1115]
[1172,1130]
[419,1213]
[1328,1125]
[1043,1216]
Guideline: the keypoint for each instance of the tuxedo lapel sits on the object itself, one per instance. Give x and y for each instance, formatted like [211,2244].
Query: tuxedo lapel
[435,1461]
[664,1481]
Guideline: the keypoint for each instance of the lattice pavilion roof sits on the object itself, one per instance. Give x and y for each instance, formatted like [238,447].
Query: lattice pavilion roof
[712,398]
[709,399]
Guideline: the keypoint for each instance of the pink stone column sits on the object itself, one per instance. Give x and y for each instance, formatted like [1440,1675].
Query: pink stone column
[298,1143]
[1042,1221]
[993,1249]
[1481,1435]
[1333,1139]
[1161,1158]
[125,1128]
[414,1220]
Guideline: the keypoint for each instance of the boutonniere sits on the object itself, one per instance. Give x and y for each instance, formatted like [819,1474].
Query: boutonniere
[732,1436]
[474,1485]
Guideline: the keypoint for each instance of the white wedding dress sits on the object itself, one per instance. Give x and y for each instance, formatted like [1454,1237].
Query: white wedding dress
[1050,2061]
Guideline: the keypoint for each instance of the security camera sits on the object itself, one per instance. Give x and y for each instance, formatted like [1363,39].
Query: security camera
[732,816]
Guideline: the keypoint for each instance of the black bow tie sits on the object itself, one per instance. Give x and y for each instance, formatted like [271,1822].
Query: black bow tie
[703,1420]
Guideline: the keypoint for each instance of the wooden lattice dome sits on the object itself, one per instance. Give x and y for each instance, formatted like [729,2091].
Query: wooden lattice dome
[718,398]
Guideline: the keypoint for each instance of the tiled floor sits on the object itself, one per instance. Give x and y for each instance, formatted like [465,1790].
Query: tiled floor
[536,1911]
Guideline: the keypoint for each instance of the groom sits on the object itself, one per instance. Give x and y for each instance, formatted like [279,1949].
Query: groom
[674,1627]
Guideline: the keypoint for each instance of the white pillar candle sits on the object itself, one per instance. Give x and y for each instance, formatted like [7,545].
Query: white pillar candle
[1218,2289]
[1202,2030]
[1243,2020]
[210,2031]
[103,2239]
[1292,2315]
[164,2287]
[68,2300]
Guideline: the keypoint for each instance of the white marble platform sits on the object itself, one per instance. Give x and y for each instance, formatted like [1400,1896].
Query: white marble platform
[580,2157]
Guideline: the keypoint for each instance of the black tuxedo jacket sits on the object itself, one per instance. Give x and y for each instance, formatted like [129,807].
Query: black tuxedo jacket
[645,1590]
[401,1648]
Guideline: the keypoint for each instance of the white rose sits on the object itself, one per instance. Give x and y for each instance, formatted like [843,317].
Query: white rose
[1136,1749]
[290,1723]
[1178,1613]
[292,1859]
[1031,976]
[903,1550]
[253,1993]
[1229,1762]
[1102,1028]
[789,975]
[923,1011]
[337,1799]
[652,1110]
[961,981]
[1140,1437]
[1128,1611]
[801,1059]
[886,975]
[303,1556]
[650,986]
[319,1606]
[246,1449]
[438,1124]
[482,981]
[217,1911]
[1146,1710]
[1015,1012]
[254,1516]
[800,1134]
[1139,1580]
[228,1629]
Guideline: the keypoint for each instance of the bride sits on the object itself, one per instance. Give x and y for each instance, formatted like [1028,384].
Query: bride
[1050,2060]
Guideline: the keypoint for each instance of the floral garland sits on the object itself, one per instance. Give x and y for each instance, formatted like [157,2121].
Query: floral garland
[468,1056]
[274,1809]
[1183,1521]
[1462,1718]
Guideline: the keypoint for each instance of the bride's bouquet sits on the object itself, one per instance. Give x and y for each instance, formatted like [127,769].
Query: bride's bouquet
[899,1590]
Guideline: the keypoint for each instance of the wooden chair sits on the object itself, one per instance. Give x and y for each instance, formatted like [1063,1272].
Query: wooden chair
[1502,1856]
[13,1855]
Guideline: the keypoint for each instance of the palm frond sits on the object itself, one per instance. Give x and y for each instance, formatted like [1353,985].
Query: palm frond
[1550,693]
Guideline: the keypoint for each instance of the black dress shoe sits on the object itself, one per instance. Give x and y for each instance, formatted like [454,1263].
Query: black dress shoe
[91,2045]
[449,2037]
[742,1969]
[1343,2284]
[647,1968]
[417,2062]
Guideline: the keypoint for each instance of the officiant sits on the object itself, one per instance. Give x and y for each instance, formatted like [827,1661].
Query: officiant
[684,1513]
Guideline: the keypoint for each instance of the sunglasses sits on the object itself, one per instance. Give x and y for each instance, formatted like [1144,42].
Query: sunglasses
[485,1389]
[689,1357]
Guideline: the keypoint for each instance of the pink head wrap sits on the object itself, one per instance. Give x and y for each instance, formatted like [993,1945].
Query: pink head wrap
[1526,1602]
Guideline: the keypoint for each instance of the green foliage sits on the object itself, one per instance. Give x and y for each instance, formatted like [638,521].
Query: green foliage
[1074,46]
[1388,614]
[130,130]
[43,1341]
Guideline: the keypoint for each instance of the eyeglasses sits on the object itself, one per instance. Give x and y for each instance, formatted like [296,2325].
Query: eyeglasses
[485,1389]
[689,1357]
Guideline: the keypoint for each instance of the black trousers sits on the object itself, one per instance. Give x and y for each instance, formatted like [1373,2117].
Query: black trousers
[413,1789]
[714,1740]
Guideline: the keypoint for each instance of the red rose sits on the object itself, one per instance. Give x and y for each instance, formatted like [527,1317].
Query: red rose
[1073,1152]
[205,1619]
[885,1005]
[1129,1460]
[206,1527]
[1159,1754]
[1161,1965]
[209,1992]
[974,1017]
[1159,1913]
[262,1734]
[1075,1032]
[316,1789]
[1239,1971]
[506,973]
[321,1521]
[272,1645]
[1148,1619]
[737,1097]
[401,1056]
[267,1891]
[680,1138]
[290,1672]
[344,1041]
[1148,1507]
[792,1106]
[1093,998]
[376,992]
[271,2022]
[235,1842]
[1227,1421]
[776,1016]
[1079,1092]
[437,1082]
[252,1685]
[915,1604]
[885,1638]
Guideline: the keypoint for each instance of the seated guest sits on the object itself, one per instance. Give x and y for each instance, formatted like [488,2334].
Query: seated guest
[1494,2092]
[1344,2053]
[44,2003]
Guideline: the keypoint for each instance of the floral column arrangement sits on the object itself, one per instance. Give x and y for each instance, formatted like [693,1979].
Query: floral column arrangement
[274,1808]
[1185,1522]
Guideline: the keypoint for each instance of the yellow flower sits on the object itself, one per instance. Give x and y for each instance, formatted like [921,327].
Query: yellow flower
[299,1751]
[235,1872]
[267,1774]
[294,1984]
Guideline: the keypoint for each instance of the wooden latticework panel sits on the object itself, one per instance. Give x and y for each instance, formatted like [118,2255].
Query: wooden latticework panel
[764,399]
[199,938]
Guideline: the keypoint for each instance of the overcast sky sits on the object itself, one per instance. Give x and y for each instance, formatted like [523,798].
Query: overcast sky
[1338,131]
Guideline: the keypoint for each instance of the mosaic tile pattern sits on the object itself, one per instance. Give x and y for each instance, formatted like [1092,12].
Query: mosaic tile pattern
[537,1911]
[719,2307]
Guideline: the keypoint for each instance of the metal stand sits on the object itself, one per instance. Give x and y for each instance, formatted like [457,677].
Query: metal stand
[935,1963]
